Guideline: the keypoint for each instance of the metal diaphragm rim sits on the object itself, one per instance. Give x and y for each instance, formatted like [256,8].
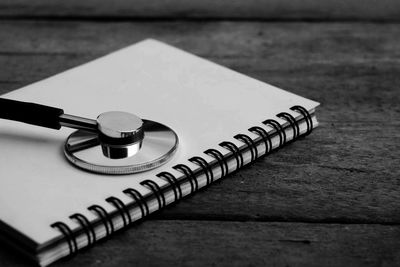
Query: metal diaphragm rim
[83,150]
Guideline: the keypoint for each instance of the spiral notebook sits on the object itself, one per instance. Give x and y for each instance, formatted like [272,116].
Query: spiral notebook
[225,120]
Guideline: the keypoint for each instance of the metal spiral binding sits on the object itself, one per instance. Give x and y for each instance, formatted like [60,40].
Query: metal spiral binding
[153,186]
[104,217]
[194,185]
[66,231]
[171,179]
[205,167]
[117,203]
[86,226]
[278,128]
[250,143]
[139,200]
[220,158]
[307,117]
[265,137]
[292,122]
[175,184]
[235,151]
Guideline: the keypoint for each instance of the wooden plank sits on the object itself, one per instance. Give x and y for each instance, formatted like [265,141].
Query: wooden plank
[222,9]
[347,171]
[208,243]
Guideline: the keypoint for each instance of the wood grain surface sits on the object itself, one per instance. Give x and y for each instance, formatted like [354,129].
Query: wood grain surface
[329,199]
[221,243]
[380,10]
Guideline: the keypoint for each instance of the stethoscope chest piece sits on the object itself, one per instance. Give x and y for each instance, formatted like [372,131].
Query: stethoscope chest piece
[151,145]
[115,143]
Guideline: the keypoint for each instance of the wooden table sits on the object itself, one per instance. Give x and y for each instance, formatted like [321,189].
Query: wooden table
[330,199]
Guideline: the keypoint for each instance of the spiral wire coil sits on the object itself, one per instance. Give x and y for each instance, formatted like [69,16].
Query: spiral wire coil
[106,219]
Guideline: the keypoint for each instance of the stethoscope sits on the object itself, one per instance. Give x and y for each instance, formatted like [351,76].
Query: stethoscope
[115,143]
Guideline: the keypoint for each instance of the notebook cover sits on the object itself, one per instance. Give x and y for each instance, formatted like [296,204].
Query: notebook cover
[203,102]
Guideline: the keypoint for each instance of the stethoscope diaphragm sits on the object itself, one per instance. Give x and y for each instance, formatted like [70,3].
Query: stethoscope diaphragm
[159,143]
